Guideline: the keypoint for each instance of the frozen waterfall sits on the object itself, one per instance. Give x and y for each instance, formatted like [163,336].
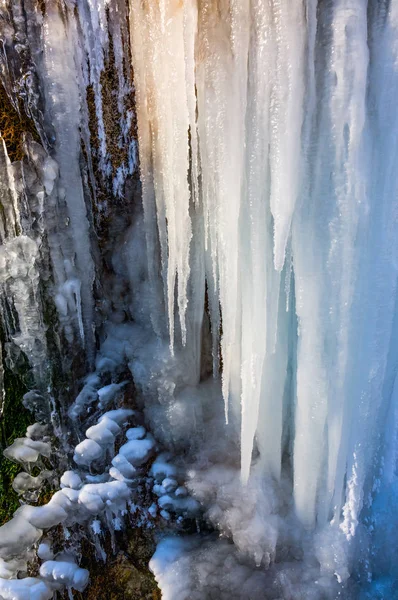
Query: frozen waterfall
[199,252]
[290,165]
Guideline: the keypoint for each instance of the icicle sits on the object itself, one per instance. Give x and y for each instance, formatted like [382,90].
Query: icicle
[163,123]
[348,108]
[190,30]
[62,95]
[95,38]
[286,113]
[221,76]
[255,220]
[20,263]
[9,223]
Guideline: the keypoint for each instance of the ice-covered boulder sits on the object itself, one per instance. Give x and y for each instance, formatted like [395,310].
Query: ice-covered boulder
[87,452]
[66,573]
[71,479]
[137,452]
[30,588]
[26,451]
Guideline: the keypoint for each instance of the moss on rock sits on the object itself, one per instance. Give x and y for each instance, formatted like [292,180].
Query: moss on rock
[13,125]
[126,575]
[13,423]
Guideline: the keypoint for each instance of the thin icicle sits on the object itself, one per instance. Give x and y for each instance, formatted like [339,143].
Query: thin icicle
[286,113]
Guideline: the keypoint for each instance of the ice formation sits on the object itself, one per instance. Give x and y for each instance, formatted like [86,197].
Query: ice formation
[198,283]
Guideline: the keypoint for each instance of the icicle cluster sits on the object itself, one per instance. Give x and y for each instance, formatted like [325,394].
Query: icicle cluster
[290,198]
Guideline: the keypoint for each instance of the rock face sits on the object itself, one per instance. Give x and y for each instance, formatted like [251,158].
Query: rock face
[69,172]
[126,574]
[69,192]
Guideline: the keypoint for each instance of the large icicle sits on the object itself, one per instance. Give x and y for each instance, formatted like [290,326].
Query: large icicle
[223,39]
[286,110]
[62,94]
[163,100]
[325,263]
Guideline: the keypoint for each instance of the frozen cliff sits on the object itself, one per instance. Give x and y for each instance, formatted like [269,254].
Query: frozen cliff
[198,288]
